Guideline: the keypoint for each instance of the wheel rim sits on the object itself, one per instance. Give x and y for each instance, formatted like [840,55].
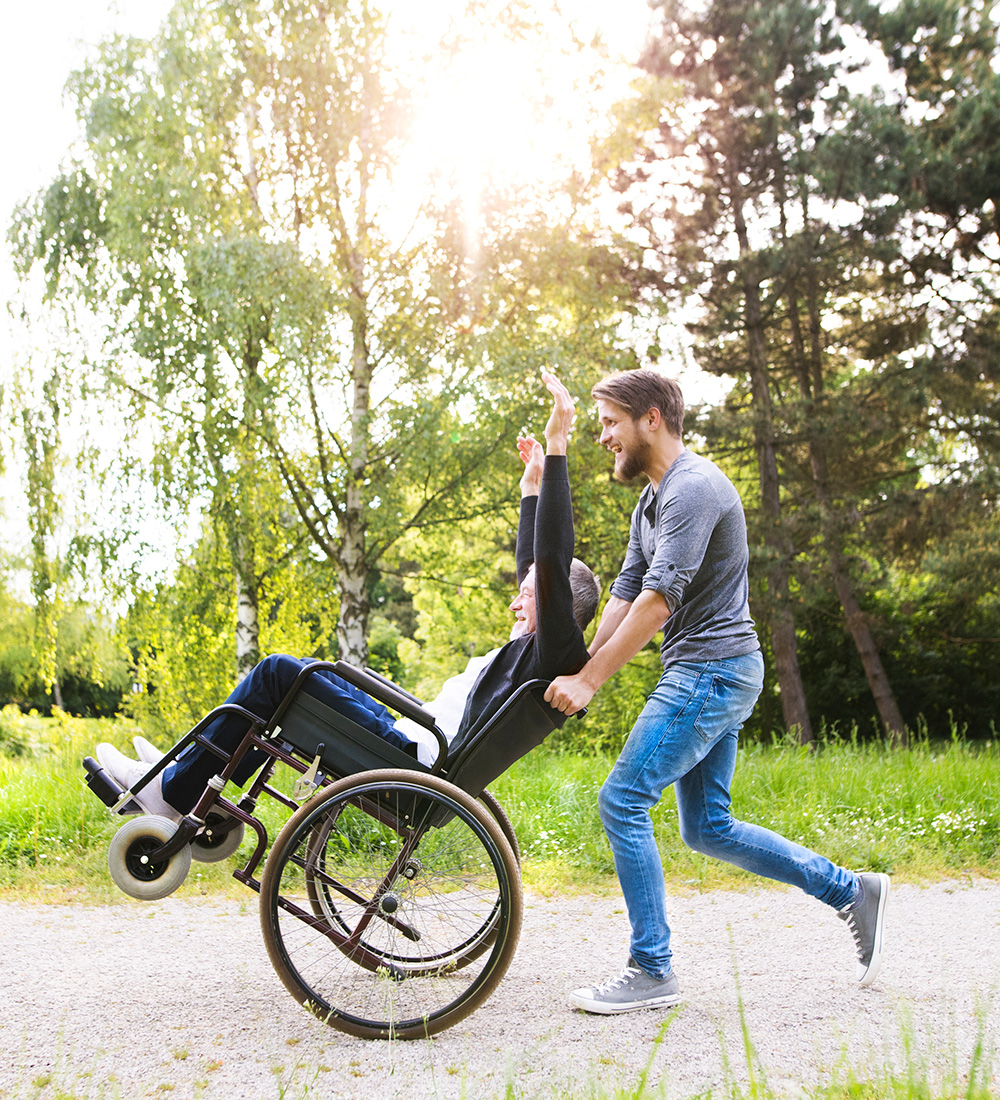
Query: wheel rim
[391,932]
[137,860]
[327,902]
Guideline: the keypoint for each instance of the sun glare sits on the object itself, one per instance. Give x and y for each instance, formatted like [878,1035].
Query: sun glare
[479,119]
[508,104]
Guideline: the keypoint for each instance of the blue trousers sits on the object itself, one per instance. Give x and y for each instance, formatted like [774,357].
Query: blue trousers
[687,736]
[260,692]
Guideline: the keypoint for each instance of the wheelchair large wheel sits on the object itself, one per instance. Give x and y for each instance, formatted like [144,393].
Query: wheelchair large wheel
[327,903]
[374,895]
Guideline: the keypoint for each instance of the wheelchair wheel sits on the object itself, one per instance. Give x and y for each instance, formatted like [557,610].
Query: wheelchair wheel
[216,843]
[131,869]
[326,902]
[503,821]
[374,895]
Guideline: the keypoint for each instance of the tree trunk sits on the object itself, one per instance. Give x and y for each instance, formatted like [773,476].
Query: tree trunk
[854,618]
[857,626]
[784,645]
[352,572]
[809,368]
[247,625]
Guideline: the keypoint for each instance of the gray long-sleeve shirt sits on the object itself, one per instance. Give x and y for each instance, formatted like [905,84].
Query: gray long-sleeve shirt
[688,541]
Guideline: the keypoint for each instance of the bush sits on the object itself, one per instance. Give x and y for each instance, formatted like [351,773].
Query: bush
[15,733]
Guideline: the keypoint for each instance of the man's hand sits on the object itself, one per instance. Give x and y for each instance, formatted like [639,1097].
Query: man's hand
[533,457]
[561,418]
[569,694]
[644,617]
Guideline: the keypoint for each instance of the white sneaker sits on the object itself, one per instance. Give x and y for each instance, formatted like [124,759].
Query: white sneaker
[147,752]
[127,772]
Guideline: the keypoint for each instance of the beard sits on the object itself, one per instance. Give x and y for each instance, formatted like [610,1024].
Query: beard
[633,462]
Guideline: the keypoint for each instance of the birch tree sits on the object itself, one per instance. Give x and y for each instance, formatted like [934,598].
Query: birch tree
[235,220]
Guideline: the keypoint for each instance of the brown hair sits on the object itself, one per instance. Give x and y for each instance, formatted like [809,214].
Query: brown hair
[638,391]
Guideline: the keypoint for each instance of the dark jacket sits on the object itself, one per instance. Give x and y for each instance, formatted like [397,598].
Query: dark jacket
[556,646]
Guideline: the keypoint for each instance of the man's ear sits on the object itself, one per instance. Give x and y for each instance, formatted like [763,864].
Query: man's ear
[654,418]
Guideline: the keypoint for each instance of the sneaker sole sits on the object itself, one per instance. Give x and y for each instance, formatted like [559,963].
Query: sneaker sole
[871,972]
[604,1008]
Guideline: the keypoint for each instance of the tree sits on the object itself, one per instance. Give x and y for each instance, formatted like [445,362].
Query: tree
[236,214]
[798,301]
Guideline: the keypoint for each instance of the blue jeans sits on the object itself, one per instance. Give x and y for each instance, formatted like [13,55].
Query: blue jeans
[687,736]
[260,692]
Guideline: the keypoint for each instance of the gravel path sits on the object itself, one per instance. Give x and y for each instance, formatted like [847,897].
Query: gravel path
[177,999]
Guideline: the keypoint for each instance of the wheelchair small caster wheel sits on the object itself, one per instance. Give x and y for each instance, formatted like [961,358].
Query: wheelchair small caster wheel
[132,870]
[216,843]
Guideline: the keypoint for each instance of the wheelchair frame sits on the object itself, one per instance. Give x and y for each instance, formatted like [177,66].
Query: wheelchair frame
[390,901]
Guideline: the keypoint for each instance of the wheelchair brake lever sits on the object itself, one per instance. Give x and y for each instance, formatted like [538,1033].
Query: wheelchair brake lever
[307,782]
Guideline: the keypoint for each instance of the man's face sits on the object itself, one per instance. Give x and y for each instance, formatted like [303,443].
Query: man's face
[523,606]
[623,437]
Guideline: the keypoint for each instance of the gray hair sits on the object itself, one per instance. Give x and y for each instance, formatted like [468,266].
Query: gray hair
[586,592]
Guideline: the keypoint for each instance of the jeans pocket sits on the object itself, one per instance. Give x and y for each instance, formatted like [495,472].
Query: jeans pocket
[729,702]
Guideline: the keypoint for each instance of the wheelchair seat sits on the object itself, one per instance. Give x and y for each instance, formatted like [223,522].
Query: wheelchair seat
[345,748]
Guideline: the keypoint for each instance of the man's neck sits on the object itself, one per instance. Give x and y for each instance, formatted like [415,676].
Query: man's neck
[665,453]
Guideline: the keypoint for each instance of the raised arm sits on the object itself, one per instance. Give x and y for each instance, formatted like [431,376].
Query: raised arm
[642,619]
[532,454]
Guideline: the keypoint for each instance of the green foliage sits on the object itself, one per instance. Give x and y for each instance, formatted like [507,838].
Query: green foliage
[86,663]
[925,812]
[831,249]
[461,591]
[15,732]
[236,214]
[180,633]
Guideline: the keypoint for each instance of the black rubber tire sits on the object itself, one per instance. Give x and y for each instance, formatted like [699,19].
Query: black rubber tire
[416,898]
[132,871]
[503,821]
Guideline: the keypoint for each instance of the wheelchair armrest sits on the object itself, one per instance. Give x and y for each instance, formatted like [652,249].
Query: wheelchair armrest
[386,692]
[387,683]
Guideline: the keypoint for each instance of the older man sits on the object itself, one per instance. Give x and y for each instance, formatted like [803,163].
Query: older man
[556,599]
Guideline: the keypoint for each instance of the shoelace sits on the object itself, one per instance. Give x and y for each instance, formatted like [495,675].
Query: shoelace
[623,978]
[848,917]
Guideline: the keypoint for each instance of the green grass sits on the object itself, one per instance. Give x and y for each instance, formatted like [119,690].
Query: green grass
[928,812]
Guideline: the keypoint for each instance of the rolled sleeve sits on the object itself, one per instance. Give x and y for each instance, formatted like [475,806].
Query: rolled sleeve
[683,531]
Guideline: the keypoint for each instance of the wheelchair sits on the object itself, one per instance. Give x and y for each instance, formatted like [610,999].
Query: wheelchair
[390,901]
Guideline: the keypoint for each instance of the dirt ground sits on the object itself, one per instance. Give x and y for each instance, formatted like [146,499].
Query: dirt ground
[177,999]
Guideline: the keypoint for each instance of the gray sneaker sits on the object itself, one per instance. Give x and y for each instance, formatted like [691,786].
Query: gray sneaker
[865,918]
[632,989]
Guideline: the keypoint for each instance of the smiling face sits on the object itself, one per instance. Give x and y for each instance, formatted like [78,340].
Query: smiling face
[624,438]
[523,606]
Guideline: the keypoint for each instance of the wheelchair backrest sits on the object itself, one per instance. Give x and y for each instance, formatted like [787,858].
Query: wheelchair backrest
[521,724]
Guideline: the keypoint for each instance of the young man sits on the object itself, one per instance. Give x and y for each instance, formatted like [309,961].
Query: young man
[685,572]
[556,599]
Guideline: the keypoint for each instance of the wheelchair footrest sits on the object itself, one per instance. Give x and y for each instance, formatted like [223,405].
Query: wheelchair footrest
[108,790]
